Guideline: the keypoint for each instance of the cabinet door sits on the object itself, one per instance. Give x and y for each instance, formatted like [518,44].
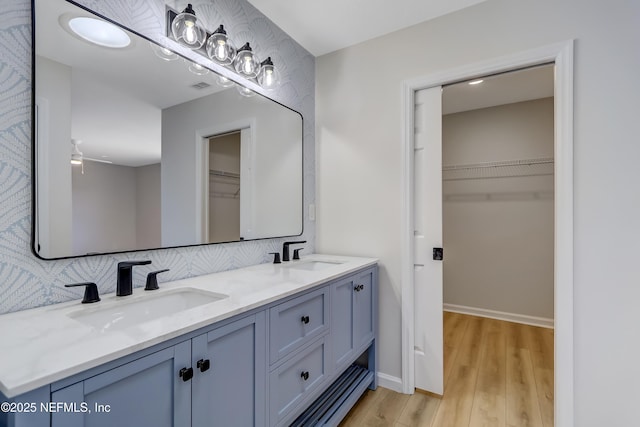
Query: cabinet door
[342,296]
[352,317]
[145,392]
[229,384]
[363,314]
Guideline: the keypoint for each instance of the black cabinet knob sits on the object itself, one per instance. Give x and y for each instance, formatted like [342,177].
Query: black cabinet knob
[203,365]
[186,374]
[305,319]
[304,375]
[358,288]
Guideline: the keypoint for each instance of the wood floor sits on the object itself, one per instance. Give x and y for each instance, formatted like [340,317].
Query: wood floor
[495,373]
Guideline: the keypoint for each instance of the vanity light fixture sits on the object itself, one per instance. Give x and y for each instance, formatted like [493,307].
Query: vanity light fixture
[186,29]
[219,48]
[198,69]
[268,76]
[163,52]
[245,91]
[224,81]
[99,32]
[246,62]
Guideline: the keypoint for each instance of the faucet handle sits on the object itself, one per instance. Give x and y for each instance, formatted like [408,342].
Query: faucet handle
[152,280]
[276,257]
[296,253]
[90,291]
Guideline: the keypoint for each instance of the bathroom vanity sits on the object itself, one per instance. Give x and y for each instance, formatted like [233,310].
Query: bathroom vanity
[267,345]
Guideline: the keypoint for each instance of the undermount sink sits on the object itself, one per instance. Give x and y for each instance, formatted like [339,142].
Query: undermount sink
[125,314]
[314,265]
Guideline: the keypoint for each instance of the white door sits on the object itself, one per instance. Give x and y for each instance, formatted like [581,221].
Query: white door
[428,340]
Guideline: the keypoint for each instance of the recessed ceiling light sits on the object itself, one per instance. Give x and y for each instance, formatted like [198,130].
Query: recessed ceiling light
[476,82]
[99,32]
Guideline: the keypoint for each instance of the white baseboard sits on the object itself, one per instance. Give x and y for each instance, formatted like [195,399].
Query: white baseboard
[387,381]
[500,315]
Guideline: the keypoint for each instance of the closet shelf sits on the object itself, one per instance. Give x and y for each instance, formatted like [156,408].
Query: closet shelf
[501,169]
[224,174]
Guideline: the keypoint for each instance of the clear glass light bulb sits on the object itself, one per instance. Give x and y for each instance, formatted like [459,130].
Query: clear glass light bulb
[221,53]
[189,32]
[248,66]
[268,78]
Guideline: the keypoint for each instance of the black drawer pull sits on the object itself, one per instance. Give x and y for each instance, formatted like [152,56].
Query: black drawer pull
[203,365]
[304,375]
[305,319]
[358,288]
[186,374]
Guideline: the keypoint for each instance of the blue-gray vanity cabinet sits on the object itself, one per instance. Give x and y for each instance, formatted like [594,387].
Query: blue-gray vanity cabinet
[353,316]
[319,382]
[302,360]
[229,386]
[216,378]
[145,392]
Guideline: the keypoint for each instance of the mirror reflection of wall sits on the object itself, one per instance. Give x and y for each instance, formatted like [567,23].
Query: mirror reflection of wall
[115,207]
[224,188]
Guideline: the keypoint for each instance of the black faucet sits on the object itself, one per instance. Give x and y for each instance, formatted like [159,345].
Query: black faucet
[124,285]
[285,249]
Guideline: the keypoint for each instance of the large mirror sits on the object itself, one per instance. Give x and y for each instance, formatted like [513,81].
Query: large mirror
[137,148]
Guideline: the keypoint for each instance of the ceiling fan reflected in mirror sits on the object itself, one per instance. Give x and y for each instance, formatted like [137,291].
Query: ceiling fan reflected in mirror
[78,158]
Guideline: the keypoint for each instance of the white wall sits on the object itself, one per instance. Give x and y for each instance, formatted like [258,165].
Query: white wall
[104,208]
[276,171]
[359,161]
[54,85]
[498,232]
[148,215]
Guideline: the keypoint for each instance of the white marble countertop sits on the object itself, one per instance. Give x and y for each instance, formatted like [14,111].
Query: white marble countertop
[43,345]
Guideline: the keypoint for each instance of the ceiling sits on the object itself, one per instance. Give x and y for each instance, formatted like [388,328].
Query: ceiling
[118,94]
[506,88]
[325,26]
[143,91]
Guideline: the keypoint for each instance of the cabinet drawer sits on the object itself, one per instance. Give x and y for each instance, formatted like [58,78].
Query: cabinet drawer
[297,322]
[291,382]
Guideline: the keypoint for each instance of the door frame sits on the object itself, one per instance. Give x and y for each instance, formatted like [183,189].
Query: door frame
[561,54]
[247,150]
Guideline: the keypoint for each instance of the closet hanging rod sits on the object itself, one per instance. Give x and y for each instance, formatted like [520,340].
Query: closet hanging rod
[505,163]
[224,173]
